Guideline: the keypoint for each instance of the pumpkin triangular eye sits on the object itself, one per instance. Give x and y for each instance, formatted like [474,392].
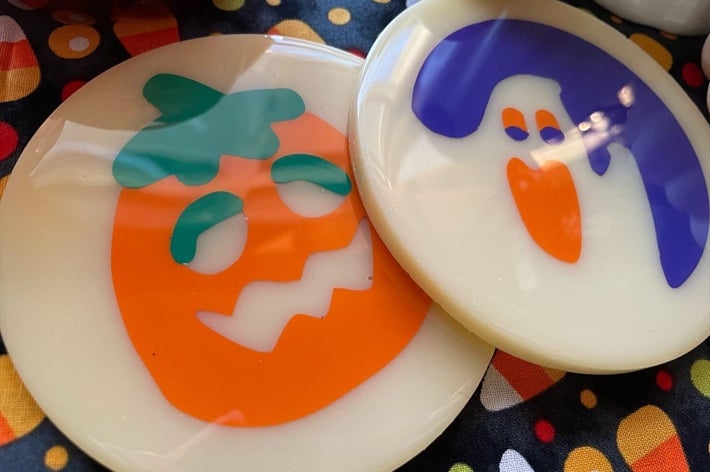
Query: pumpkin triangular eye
[179,98]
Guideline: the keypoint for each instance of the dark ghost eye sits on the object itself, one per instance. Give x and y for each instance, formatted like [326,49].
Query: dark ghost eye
[514,124]
[549,127]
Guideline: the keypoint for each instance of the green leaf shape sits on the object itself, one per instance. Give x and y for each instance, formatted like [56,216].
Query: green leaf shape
[179,98]
[198,126]
[313,169]
[198,217]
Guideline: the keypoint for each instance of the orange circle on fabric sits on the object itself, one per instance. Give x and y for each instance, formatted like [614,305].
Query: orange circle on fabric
[56,458]
[228,5]
[339,16]
[74,41]
[71,17]
[588,399]
[587,459]
[296,29]
[316,360]
[3,183]
[668,35]
[15,422]
[654,49]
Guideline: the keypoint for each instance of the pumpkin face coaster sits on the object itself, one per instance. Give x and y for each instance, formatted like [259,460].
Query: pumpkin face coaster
[190,281]
[541,178]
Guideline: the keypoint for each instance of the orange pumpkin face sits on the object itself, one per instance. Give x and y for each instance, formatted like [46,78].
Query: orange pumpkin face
[316,360]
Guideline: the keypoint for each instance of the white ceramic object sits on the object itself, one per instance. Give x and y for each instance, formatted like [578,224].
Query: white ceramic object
[705,60]
[520,172]
[189,282]
[688,17]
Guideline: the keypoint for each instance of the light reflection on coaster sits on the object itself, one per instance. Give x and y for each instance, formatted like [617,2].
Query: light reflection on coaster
[189,281]
[541,178]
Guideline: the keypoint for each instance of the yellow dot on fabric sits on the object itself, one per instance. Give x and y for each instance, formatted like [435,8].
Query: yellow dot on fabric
[654,49]
[3,183]
[274,3]
[228,5]
[69,17]
[381,1]
[74,41]
[339,16]
[56,458]
[668,35]
[18,410]
[587,459]
[616,19]
[296,29]
[700,375]
[588,399]
[460,467]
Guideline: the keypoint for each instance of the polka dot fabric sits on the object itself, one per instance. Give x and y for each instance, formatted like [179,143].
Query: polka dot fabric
[523,417]
[679,55]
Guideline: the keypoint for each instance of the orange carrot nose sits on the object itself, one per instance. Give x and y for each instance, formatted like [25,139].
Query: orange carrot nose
[547,201]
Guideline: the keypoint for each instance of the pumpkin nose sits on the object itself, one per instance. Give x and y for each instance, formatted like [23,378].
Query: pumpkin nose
[548,205]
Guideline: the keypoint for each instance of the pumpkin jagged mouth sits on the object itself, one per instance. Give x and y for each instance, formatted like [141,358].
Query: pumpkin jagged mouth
[264,308]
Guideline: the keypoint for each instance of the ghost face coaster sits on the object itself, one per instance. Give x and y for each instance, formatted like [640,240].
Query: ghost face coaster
[190,281]
[541,178]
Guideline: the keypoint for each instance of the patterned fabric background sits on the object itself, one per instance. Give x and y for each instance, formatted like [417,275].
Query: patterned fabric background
[523,417]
